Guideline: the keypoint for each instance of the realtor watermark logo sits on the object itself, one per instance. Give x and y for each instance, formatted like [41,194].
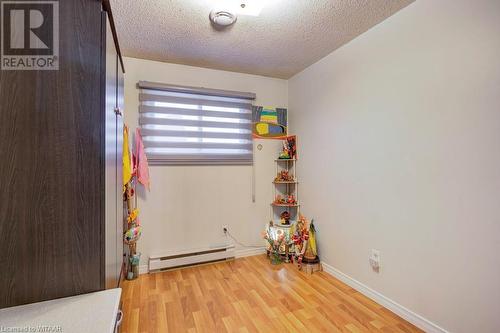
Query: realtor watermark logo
[30,35]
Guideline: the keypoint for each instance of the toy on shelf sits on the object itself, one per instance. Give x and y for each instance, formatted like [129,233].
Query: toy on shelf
[284,176]
[285,153]
[279,200]
[288,199]
[289,150]
[285,218]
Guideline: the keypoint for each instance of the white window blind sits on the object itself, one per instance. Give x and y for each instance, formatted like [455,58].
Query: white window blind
[184,125]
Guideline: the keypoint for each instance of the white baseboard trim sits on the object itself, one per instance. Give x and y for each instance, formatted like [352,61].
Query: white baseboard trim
[386,302]
[247,252]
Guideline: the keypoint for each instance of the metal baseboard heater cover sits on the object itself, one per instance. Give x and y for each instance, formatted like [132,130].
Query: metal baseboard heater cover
[190,257]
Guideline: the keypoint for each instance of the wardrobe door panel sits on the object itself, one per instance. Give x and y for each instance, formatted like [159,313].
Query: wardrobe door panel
[50,167]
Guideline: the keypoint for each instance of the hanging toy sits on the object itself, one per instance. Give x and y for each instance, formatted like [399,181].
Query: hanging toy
[128,192]
[132,235]
[133,216]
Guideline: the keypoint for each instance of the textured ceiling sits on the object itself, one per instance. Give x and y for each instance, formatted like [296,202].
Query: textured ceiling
[288,36]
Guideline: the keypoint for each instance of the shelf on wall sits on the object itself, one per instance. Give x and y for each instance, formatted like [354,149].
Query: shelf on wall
[290,182]
[285,159]
[284,205]
[277,224]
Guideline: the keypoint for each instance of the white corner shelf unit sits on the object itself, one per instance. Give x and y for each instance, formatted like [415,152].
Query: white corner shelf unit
[285,189]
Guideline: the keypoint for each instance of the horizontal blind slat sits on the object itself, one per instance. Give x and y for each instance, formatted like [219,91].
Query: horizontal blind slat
[215,161]
[181,157]
[188,123]
[201,145]
[194,112]
[194,134]
[143,97]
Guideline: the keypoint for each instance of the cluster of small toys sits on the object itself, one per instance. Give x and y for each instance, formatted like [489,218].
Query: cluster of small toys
[288,199]
[133,232]
[135,172]
[296,244]
[284,176]
[289,148]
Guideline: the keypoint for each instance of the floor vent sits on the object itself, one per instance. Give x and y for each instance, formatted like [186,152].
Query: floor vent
[188,258]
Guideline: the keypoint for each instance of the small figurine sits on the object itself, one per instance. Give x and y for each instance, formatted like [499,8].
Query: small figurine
[133,216]
[291,143]
[285,153]
[289,151]
[278,200]
[285,218]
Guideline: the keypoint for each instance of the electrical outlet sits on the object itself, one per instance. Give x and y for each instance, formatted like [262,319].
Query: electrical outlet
[375,259]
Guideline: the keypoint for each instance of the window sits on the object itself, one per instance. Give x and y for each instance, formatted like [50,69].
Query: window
[183,125]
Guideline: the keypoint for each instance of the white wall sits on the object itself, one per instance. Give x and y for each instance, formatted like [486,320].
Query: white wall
[399,138]
[188,205]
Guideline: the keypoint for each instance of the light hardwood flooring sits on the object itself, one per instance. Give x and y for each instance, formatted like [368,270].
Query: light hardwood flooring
[250,295]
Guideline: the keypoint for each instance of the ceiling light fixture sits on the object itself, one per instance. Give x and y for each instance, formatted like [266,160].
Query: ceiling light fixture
[222,18]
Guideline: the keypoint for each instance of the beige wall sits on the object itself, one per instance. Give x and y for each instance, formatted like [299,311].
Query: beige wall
[399,138]
[188,206]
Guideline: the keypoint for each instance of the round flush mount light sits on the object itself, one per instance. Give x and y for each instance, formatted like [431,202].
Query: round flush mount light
[222,18]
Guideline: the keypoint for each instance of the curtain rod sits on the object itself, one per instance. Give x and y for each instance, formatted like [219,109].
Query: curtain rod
[196,90]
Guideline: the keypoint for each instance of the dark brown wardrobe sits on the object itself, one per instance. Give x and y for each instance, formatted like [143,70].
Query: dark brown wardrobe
[61,213]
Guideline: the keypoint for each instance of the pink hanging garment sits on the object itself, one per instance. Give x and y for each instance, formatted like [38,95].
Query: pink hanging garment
[142,167]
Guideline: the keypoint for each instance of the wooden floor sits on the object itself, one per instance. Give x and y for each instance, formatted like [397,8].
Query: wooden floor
[250,295]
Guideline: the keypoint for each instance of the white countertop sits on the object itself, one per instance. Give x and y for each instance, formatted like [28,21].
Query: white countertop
[94,312]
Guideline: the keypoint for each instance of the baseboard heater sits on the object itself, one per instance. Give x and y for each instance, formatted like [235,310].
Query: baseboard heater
[190,257]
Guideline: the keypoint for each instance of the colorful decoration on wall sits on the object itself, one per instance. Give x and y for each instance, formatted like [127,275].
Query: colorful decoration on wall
[269,123]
